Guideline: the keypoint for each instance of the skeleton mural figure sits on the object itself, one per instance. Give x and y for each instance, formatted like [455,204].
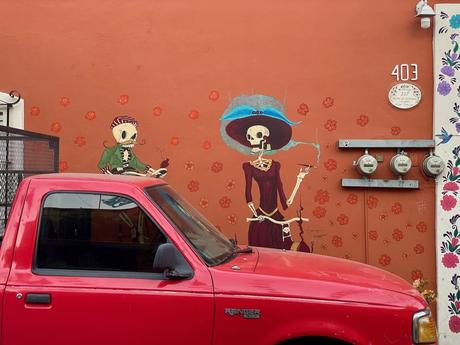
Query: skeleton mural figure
[256,125]
[120,159]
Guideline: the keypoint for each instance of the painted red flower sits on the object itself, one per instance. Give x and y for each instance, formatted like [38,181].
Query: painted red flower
[416,274]
[80,141]
[337,241]
[189,165]
[204,202]
[373,235]
[330,164]
[123,99]
[65,101]
[90,115]
[450,260]
[419,249]
[217,167]
[322,196]
[384,260]
[56,127]
[362,120]
[421,227]
[232,219]
[206,145]
[214,95]
[328,102]
[448,202]
[455,241]
[174,141]
[397,235]
[157,111]
[372,201]
[193,186]
[194,114]
[63,166]
[352,199]
[395,130]
[319,212]
[455,171]
[457,305]
[454,324]
[303,109]
[35,111]
[342,219]
[225,202]
[396,208]
[230,184]
[451,186]
[330,125]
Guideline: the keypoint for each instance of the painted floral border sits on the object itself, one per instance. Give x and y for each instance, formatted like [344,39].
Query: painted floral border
[454,305]
[450,246]
[448,91]
[446,77]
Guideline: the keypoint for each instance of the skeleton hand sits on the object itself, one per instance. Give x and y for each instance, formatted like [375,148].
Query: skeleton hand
[303,171]
[157,173]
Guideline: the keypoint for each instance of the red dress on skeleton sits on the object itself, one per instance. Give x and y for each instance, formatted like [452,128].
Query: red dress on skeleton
[267,233]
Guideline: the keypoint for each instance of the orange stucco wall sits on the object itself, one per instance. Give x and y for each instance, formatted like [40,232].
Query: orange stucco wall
[175,65]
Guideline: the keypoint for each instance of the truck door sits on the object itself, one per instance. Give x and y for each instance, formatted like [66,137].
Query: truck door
[90,279]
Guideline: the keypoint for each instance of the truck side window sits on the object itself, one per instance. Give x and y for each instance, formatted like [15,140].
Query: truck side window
[96,232]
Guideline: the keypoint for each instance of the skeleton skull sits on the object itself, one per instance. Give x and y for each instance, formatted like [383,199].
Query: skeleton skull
[257,136]
[125,134]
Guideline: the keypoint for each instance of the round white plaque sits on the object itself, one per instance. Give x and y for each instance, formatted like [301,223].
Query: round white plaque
[405,95]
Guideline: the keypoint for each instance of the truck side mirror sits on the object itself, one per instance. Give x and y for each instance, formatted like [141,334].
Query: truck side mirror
[170,261]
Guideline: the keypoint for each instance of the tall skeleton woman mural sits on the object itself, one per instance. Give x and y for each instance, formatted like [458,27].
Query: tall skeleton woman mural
[120,159]
[256,125]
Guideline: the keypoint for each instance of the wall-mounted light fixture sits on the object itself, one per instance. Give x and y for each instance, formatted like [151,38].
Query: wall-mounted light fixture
[424,12]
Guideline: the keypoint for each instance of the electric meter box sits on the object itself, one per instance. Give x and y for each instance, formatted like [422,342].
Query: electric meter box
[433,165]
[366,164]
[400,164]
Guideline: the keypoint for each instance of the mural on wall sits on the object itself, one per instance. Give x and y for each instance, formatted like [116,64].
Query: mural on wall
[454,306]
[450,246]
[447,124]
[120,158]
[256,125]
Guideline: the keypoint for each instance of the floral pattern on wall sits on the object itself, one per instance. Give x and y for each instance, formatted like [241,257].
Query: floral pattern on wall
[454,305]
[447,131]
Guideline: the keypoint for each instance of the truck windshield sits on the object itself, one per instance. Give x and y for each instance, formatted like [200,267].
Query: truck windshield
[211,245]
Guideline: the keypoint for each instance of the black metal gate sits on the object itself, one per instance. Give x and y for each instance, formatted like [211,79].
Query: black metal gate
[22,154]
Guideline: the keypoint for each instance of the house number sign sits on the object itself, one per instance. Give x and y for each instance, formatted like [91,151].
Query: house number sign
[405,72]
[404,95]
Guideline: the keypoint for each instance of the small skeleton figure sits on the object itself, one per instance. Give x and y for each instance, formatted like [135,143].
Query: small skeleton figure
[120,159]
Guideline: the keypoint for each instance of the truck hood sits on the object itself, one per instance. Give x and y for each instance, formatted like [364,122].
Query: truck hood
[292,274]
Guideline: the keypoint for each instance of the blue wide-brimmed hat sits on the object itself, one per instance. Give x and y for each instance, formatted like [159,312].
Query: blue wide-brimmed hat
[247,111]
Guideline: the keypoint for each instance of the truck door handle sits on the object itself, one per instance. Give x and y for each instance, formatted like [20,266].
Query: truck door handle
[38,298]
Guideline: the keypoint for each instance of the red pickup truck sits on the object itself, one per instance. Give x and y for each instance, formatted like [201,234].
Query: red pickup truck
[99,259]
